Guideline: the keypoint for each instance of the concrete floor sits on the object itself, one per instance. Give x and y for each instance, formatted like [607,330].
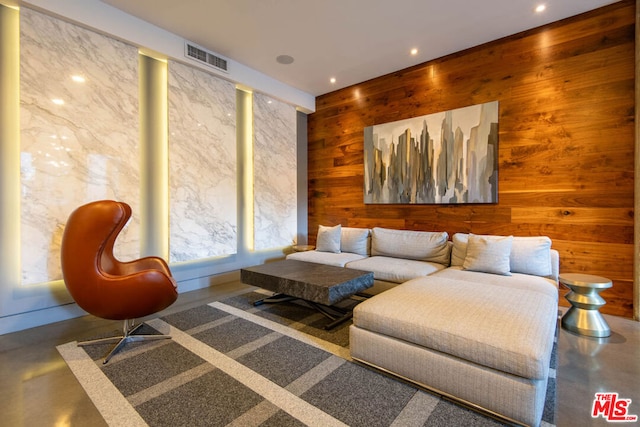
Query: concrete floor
[38,389]
[598,365]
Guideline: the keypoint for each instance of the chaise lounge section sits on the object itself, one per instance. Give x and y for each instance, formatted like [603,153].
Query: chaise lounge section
[487,345]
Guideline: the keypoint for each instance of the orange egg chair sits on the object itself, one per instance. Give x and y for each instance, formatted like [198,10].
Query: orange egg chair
[102,285]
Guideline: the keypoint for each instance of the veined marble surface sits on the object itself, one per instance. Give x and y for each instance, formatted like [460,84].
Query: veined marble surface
[202,164]
[79,140]
[275,168]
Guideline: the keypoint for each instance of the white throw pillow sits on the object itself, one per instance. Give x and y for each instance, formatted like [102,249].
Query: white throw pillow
[531,255]
[488,254]
[328,239]
[355,240]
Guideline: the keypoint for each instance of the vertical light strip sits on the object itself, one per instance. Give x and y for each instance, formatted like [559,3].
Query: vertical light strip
[244,131]
[154,153]
[10,271]
[302,179]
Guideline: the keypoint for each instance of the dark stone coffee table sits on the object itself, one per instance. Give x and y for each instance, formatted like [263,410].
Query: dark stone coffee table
[321,286]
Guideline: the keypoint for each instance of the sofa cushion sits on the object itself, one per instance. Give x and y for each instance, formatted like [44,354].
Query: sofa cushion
[328,239]
[488,254]
[417,245]
[396,270]
[356,240]
[507,331]
[328,258]
[529,255]
[539,284]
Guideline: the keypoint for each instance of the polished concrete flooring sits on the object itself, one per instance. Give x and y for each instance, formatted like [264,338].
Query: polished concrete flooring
[37,388]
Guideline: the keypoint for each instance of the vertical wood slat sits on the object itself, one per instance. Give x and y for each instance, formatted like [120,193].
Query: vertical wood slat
[566,142]
[636,259]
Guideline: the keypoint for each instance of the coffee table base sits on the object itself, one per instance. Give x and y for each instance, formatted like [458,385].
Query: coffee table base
[338,315]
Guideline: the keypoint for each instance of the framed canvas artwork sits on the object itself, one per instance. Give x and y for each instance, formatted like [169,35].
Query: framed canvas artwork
[443,158]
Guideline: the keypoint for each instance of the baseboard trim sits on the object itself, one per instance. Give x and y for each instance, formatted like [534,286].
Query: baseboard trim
[31,319]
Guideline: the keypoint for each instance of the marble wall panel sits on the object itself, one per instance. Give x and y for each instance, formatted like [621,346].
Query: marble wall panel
[79,140]
[202,164]
[275,169]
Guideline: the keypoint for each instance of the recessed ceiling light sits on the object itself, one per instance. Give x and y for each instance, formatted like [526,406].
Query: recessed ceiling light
[78,78]
[414,51]
[541,8]
[332,79]
[284,59]
[58,101]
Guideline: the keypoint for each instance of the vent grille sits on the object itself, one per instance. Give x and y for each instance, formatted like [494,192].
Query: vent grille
[205,57]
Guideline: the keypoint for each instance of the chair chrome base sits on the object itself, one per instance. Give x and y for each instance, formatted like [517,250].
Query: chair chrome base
[128,330]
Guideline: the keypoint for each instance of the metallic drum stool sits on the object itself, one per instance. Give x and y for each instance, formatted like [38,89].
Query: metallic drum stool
[583,317]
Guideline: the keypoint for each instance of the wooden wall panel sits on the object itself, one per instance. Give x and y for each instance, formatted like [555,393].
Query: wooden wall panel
[566,142]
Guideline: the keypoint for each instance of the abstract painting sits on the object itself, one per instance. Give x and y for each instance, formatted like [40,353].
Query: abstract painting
[443,158]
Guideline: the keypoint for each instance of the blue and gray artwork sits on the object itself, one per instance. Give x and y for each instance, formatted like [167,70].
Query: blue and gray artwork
[444,158]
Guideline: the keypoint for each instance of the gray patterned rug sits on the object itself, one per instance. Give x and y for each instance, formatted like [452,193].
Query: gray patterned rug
[229,363]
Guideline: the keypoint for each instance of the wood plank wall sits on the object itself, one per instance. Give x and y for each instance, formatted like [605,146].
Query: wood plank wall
[566,143]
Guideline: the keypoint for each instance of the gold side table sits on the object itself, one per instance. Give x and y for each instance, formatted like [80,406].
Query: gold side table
[302,248]
[583,317]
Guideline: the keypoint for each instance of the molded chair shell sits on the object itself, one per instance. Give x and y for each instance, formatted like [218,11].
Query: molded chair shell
[101,284]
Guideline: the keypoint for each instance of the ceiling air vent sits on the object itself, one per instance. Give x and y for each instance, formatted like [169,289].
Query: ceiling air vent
[206,57]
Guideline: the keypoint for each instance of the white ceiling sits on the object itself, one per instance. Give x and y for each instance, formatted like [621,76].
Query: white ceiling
[351,40]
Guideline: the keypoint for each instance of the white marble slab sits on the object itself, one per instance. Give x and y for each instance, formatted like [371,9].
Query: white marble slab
[202,164]
[275,165]
[82,150]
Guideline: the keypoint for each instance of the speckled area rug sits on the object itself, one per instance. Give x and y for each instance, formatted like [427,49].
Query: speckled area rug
[229,363]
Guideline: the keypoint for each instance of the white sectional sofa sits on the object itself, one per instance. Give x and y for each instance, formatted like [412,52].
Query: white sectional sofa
[473,318]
